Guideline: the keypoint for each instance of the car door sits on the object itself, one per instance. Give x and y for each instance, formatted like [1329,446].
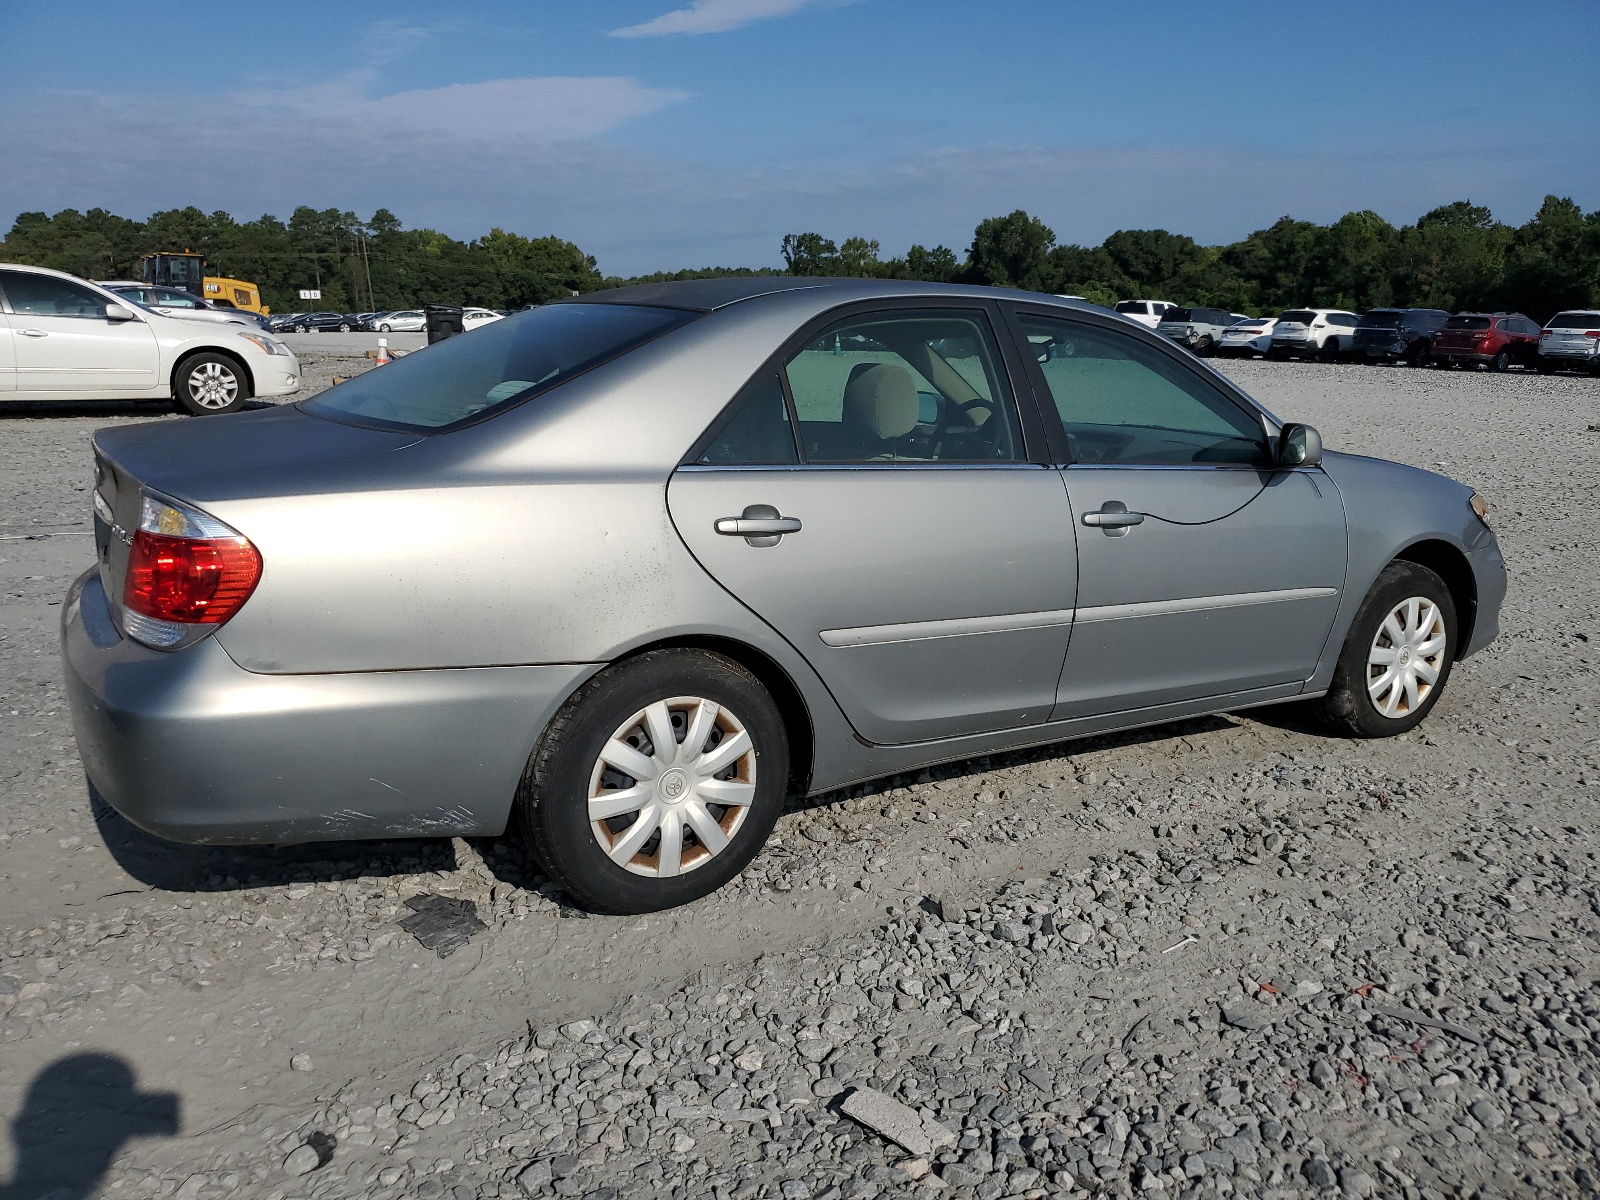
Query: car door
[63,342]
[1202,571]
[903,543]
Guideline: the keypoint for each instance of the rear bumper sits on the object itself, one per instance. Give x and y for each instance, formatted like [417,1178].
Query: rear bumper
[190,746]
[1462,356]
[1583,357]
[1294,346]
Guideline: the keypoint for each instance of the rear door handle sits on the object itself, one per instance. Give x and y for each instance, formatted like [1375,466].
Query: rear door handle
[33,333]
[1113,519]
[759,524]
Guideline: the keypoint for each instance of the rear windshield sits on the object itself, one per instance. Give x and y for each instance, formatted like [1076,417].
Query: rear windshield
[1467,323]
[1133,306]
[495,366]
[1382,318]
[1176,314]
[1252,323]
[1575,320]
[1301,316]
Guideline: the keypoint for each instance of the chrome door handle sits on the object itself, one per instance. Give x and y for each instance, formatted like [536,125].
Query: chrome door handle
[759,524]
[33,333]
[1113,519]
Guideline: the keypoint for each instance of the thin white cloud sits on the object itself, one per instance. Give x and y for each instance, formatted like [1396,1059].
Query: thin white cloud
[549,108]
[713,16]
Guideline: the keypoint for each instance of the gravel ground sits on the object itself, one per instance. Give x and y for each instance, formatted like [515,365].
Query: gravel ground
[1226,957]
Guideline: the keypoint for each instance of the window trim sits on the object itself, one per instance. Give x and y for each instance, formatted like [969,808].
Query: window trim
[1032,428]
[1044,402]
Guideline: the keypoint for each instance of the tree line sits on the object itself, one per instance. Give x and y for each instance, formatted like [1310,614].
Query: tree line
[1455,257]
[358,265]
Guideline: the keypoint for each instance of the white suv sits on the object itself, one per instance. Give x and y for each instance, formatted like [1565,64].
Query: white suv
[62,338]
[1146,312]
[1323,333]
[1571,339]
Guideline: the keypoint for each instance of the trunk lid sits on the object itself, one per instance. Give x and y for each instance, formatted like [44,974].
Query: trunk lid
[204,460]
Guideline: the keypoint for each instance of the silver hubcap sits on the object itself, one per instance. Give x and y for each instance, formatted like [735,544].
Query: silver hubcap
[212,385]
[672,786]
[1406,657]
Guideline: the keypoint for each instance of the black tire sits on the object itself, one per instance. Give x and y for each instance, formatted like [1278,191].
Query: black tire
[1205,347]
[384,329]
[1546,368]
[552,806]
[1500,362]
[345,327]
[209,383]
[1328,352]
[1348,708]
[1419,356]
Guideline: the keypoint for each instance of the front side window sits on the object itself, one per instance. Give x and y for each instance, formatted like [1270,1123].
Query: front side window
[1121,401]
[47,296]
[504,363]
[904,387]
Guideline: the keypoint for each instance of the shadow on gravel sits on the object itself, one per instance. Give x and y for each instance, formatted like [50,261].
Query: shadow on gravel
[175,867]
[79,1113]
[17,410]
[1155,736]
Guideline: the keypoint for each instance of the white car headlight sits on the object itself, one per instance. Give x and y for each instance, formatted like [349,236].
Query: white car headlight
[270,345]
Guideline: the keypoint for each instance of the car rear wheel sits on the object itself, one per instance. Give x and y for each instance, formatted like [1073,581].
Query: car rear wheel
[1329,351]
[1396,657]
[1205,347]
[657,782]
[1500,361]
[1419,356]
[208,383]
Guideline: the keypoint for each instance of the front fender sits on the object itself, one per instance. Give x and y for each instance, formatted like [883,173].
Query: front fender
[1397,511]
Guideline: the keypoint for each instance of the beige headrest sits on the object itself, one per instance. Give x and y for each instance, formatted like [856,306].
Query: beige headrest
[883,400]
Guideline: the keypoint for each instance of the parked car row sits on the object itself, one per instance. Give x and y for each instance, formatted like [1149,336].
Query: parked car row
[406,320]
[1419,337]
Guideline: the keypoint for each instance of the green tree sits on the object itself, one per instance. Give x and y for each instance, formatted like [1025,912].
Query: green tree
[1011,251]
[810,254]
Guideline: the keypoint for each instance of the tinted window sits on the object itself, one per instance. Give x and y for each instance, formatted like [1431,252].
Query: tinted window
[501,364]
[1300,315]
[1381,318]
[1136,307]
[1121,401]
[1177,314]
[47,296]
[758,430]
[904,387]
[1575,320]
[1467,323]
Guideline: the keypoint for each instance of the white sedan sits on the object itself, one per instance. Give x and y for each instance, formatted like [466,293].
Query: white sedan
[62,338]
[406,320]
[1253,335]
[474,318]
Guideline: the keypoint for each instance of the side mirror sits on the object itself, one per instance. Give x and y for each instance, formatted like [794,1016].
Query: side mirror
[119,312]
[1299,446]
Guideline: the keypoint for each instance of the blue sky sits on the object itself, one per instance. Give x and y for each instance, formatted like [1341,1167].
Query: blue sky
[666,133]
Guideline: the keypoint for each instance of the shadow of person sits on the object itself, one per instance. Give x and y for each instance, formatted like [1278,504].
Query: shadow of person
[78,1115]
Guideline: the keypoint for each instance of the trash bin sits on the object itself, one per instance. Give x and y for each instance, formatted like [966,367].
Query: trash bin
[443,321]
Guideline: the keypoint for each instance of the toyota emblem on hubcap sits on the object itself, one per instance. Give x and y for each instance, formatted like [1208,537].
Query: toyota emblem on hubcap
[673,785]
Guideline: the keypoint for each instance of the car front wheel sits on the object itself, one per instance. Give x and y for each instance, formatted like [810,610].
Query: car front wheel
[383,329]
[207,383]
[1500,362]
[657,782]
[1396,657]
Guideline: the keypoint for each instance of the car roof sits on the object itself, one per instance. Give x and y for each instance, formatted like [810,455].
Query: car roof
[708,295]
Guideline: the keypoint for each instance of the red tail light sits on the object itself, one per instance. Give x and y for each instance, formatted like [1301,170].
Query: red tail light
[192,581]
[1594,333]
[186,571]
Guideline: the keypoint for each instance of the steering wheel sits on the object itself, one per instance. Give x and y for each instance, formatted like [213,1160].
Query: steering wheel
[990,437]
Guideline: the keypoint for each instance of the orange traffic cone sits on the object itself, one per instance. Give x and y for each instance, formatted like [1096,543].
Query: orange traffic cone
[383,351]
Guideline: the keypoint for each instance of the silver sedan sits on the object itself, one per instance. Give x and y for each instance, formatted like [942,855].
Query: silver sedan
[629,571]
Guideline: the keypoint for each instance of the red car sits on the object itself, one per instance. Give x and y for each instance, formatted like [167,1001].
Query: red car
[1498,340]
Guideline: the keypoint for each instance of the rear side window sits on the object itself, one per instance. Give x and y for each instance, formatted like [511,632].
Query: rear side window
[1121,401]
[497,365]
[47,296]
[757,431]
